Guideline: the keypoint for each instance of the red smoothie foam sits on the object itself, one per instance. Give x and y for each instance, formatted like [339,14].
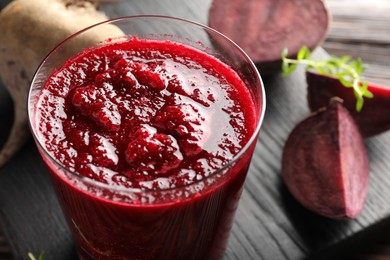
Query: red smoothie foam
[152,116]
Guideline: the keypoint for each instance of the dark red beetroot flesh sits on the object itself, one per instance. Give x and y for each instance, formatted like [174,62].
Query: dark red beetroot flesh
[263,28]
[325,164]
[373,119]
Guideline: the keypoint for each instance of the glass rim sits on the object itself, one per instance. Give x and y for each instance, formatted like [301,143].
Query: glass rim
[141,190]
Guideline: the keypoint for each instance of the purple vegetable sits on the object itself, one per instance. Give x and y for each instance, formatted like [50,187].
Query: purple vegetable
[325,164]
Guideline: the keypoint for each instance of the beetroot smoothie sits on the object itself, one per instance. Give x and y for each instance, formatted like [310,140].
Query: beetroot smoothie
[143,139]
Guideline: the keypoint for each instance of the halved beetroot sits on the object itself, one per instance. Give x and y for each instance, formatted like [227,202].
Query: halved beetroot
[263,28]
[325,164]
[374,118]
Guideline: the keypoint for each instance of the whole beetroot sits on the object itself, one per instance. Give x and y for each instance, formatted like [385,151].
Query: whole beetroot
[325,164]
[28,33]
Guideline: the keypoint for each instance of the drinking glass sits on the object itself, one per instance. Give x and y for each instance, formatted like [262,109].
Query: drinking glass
[187,222]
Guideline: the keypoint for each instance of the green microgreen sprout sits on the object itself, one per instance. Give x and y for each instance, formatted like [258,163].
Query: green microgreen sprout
[32,257]
[346,70]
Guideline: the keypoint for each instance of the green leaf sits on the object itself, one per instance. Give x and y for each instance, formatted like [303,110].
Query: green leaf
[368,94]
[345,59]
[303,53]
[285,68]
[357,65]
[365,91]
[346,83]
[292,68]
[359,104]
[346,70]
[32,257]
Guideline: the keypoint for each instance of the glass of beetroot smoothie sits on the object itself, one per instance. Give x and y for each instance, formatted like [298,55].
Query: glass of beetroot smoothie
[147,125]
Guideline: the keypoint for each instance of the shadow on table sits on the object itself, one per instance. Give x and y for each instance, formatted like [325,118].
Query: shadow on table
[327,238]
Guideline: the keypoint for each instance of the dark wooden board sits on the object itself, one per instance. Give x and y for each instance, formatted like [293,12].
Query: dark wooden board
[270,224]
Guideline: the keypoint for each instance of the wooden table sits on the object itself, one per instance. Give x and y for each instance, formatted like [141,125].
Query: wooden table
[359,28]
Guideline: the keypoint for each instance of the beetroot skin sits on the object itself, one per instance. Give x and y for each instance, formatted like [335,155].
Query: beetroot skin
[263,28]
[325,164]
[372,119]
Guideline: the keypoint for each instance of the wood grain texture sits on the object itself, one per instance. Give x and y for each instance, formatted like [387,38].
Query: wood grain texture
[362,29]
[269,224]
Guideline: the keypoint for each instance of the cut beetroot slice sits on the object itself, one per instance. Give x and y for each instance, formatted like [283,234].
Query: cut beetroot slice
[263,28]
[372,119]
[325,164]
